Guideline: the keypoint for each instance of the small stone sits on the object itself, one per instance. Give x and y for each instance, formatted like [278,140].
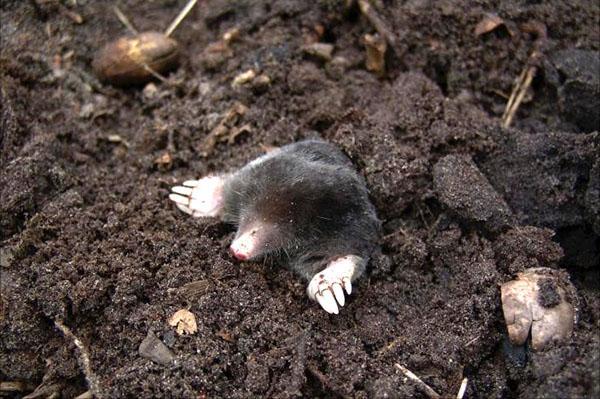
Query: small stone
[150,91]
[231,35]
[215,55]
[243,78]
[337,67]
[6,256]
[87,111]
[114,138]
[261,84]
[322,51]
[153,349]
[169,338]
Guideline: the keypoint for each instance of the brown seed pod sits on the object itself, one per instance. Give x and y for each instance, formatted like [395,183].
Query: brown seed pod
[132,60]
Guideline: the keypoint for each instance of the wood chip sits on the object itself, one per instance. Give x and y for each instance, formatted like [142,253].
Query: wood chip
[376,47]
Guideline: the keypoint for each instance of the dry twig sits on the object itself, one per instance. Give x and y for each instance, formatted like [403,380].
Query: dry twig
[84,358]
[85,395]
[124,20]
[182,14]
[526,77]
[428,390]
[367,9]
[324,380]
[462,389]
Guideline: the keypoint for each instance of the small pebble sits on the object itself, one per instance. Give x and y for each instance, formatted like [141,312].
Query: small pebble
[153,349]
[322,51]
[243,78]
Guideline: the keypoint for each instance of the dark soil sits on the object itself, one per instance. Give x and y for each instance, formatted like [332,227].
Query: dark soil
[89,238]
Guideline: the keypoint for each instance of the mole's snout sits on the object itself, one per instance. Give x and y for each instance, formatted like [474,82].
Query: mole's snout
[238,253]
[244,247]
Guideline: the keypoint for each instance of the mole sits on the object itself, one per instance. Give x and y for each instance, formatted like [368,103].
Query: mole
[302,205]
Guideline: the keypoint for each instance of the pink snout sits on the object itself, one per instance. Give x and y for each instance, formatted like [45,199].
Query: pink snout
[242,247]
[239,252]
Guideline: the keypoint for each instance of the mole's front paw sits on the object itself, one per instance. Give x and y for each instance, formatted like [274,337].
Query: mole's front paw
[327,287]
[199,198]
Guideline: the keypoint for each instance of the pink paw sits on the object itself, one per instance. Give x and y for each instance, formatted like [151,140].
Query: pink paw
[199,198]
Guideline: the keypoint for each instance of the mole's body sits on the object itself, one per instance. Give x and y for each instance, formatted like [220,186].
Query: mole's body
[302,204]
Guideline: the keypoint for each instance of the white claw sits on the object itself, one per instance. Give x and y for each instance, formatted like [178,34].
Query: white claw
[327,286]
[338,292]
[347,285]
[327,302]
[184,209]
[182,190]
[200,198]
[179,199]
[191,183]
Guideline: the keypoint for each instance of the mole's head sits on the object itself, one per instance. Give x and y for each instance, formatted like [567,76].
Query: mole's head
[287,206]
[283,221]
[254,239]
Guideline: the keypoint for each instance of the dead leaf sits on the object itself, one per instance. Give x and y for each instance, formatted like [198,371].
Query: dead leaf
[225,335]
[194,289]
[185,321]
[219,132]
[164,162]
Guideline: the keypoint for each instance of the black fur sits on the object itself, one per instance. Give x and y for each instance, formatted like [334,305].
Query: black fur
[315,205]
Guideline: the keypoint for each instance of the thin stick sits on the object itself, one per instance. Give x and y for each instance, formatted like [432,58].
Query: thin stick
[379,24]
[526,77]
[428,390]
[154,73]
[12,386]
[518,94]
[180,17]
[463,388]
[124,20]
[513,94]
[85,395]
[84,357]
[324,381]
